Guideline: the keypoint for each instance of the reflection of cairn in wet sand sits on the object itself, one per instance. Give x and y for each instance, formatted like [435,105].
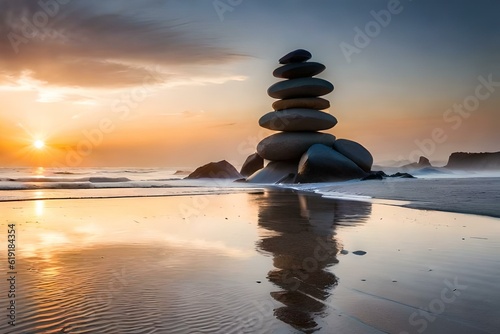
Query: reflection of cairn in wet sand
[303,247]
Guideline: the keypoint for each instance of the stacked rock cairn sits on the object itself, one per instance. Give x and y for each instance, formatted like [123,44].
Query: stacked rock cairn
[299,152]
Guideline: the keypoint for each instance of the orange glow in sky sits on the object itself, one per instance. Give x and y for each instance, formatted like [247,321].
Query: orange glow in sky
[177,86]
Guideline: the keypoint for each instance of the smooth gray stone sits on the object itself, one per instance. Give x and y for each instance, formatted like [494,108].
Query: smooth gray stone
[253,163]
[356,152]
[359,252]
[296,56]
[291,145]
[323,164]
[276,172]
[301,87]
[299,70]
[215,170]
[302,102]
[297,120]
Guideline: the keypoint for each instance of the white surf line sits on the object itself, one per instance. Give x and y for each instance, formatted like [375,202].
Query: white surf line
[329,194]
[338,312]
[363,198]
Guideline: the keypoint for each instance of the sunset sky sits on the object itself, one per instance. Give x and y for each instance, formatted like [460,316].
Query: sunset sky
[182,83]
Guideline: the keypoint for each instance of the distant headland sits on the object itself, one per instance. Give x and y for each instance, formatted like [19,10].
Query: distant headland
[475,161]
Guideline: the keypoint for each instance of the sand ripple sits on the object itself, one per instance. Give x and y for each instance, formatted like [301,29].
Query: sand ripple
[106,291]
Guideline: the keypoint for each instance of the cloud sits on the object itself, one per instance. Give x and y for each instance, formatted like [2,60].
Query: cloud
[221,125]
[193,113]
[185,113]
[91,45]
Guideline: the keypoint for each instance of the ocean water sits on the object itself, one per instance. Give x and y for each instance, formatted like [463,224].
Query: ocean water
[76,183]
[465,192]
[53,178]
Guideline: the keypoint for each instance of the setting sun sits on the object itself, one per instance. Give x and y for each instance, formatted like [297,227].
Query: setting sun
[39,144]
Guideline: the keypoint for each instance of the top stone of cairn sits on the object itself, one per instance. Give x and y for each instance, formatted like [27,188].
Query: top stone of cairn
[297,56]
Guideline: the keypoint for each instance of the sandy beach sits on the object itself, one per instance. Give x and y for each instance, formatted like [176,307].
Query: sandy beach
[474,195]
[256,261]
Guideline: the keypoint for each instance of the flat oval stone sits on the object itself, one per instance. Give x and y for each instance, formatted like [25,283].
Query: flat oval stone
[297,120]
[299,70]
[302,87]
[291,145]
[296,56]
[302,102]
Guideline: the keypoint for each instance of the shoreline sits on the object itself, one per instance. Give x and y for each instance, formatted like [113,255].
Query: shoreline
[478,196]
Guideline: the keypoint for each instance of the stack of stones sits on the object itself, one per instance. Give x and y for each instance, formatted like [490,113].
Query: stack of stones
[297,153]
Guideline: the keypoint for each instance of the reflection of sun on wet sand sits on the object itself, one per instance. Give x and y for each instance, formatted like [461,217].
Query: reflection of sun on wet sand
[140,265]
[303,247]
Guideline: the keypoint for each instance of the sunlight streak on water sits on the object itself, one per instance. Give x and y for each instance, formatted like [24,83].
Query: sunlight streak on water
[39,207]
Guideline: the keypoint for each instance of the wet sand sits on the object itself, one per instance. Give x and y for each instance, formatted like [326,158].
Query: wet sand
[262,262]
[465,195]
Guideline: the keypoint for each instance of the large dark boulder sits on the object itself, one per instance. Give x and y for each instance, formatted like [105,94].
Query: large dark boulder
[323,164]
[355,152]
[276,172]
[215,170]
[253,163]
